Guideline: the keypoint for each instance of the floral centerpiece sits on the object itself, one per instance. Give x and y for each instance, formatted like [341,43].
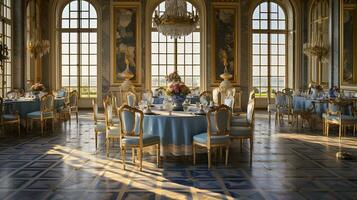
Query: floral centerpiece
[173,77]
[37,87]
[178,91]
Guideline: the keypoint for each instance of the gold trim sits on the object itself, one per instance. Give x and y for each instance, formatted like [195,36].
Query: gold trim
[348,7]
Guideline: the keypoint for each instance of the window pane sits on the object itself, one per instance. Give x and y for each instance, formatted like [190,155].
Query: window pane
[163,55]
[268,47]
[79,48]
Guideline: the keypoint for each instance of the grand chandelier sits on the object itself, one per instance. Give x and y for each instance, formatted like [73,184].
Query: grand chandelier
[176,20]
[38,48]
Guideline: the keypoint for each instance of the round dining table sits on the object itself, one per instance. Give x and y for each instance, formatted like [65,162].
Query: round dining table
[176,130]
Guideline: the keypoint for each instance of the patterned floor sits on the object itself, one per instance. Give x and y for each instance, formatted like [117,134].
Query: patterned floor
[287,164]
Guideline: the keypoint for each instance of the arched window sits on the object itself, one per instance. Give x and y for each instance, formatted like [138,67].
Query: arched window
[269,47]
[163,55]
[5,36]
[78,40]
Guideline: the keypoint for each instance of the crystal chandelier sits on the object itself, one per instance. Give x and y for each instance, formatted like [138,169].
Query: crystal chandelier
[38,48]
[176,20]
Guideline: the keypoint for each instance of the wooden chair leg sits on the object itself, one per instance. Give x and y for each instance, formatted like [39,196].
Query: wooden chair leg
[220,153]
[123,155]
[141,159]
[107,143]
[327,129]
[53,125]
[19,128]
[227,153]
[209,157]
[251,151]
[42,124]
[194,153]
[133,154]
[241,145]
[158,155]
[339,131]
[96,139]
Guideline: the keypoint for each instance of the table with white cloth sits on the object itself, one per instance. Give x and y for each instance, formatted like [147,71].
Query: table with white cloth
[176,131]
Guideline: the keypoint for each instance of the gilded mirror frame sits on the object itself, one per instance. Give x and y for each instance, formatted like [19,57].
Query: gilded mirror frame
[348,6]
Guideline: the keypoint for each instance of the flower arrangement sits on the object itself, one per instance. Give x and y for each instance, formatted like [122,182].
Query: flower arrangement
[37,87]
[177,88]
[173,77]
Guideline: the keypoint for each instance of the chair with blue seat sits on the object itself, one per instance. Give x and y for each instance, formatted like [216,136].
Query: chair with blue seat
[284,106]
[131,99]
[241,119]
[245,132]
[217,135]
[99,125]
[336,116]
[112,130]
[132,135]
[46,112]
[71,106]
[9,119]
[62,110]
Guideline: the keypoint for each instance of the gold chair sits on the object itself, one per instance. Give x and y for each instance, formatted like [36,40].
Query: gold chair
[218,120]
[241,119]
[9,119]
[283,103]
[62,93]
[132,134]
[100,126]
[240,132]
[112,131]
[112,98]
[72,105]
[131,99]
[335,116]
[45,113]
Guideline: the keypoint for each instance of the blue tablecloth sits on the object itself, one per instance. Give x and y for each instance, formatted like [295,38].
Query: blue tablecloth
[27,106]
[320,107]
[192,100]
[176,131]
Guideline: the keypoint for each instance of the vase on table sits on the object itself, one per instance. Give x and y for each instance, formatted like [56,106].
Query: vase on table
[178,101]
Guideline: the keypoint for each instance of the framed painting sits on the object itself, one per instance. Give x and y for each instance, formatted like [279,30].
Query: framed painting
[224,41]
[125,41]
[348,45]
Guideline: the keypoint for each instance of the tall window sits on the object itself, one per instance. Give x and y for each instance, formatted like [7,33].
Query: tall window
[5,34]
[163,55]
[78,35]
[269,48]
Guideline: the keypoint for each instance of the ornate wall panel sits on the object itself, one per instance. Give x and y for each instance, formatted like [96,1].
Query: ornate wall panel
[224,41]
[126,40]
